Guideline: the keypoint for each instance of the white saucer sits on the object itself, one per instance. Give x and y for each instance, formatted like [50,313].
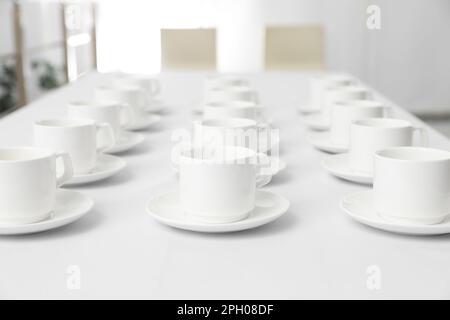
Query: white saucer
[126,141]
[321,140]
[145,121]
[316,121]
[264,146]
[338,165]
[106,166]
[359,206]
[308,109]
[69,207]
[166,209]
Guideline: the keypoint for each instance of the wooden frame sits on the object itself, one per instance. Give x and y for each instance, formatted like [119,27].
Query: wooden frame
[295,47]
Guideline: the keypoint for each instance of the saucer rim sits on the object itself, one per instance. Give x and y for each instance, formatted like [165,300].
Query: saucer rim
[378,222]
[204,227]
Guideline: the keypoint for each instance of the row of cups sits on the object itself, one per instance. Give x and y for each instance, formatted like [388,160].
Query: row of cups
[224,160]
[411,182]
[67,148]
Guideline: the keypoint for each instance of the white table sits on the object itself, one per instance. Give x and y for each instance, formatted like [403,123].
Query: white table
[314,251]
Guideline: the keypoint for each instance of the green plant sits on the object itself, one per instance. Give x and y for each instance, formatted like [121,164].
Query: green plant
[48,74]
[8,86]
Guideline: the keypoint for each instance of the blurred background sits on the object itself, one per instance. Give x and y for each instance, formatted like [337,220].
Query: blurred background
[404,53]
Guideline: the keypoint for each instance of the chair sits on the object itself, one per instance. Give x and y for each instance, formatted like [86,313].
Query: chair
[294,48]
[188,49]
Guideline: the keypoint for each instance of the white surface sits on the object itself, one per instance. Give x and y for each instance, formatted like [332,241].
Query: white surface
[167,209]
[313,251]
[360,207]
[127,141]
[69,207]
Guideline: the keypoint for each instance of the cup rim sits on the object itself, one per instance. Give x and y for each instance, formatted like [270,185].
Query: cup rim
[43,153]
[391,123]
[71,123]
[423,154]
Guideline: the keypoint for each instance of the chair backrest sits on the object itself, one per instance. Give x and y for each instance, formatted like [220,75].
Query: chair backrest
[295,47]
[188,49]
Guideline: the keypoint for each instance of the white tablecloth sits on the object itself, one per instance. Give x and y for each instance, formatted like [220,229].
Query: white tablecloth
[314,251]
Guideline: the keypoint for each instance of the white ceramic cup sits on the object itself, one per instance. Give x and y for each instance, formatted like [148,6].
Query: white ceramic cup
[28,183]
[119,116]
[231,109]
[217,185]
[151,86]
[132,96]
[412,184]
[335,93]
[344,112]
[372,134]
[77,137]
[319,83]
[231,93]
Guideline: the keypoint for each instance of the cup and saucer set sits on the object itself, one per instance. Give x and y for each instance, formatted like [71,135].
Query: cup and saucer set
[410,194]
[32,200]
[218,192]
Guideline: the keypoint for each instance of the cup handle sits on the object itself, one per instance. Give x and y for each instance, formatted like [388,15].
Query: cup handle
[423,136]
[111,139]
[126,115]
[261,178]
[68,168]
[157,88]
